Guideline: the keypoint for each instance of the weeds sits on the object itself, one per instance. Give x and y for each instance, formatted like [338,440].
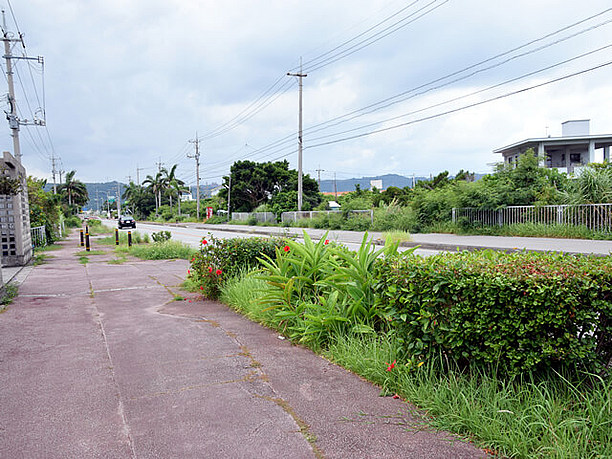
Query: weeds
[9,292]
[159,251]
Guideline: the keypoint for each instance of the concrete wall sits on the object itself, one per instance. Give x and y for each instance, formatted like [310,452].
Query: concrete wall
[15,238]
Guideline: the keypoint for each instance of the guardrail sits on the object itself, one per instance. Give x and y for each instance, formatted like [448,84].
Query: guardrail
[261,217]
[39,236]
[596,217]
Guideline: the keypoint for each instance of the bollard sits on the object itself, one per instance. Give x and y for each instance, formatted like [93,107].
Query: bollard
[129,239]
[87,247]
[82,240]
[116,236]
[86,228]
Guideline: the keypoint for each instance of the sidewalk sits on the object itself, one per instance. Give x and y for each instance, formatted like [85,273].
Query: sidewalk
[101,360]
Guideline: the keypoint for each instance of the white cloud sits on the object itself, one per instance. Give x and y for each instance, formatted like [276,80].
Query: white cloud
[130,81]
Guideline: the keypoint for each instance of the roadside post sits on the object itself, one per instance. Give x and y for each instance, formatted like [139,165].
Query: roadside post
[87,246]
[129,238]
[82,239]
[116,236]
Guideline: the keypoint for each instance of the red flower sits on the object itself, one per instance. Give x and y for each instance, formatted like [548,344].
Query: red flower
[201,288]
[391,366]
[326,241]
[210,270]
[218,272]
[192,260]
[204,241]
[188,272]
[286,248]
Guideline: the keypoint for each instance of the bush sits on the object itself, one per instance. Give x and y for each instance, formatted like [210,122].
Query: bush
[222,259]
[394,217]
[161,236]
[522,312]
[73,222]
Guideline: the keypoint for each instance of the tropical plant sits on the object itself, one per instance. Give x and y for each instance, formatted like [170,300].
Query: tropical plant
[157,184]
[73,192]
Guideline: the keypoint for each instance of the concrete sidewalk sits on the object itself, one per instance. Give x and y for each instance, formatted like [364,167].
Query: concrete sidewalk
[101,360]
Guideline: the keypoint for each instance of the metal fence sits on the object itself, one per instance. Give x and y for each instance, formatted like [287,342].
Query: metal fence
[310,214]
[261,217]
[596,217]
[39,236]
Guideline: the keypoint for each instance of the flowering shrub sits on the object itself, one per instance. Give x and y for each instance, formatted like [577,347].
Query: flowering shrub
[221,259]
[521,312]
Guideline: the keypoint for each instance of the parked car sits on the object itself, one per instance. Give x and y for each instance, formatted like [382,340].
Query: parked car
[126,221]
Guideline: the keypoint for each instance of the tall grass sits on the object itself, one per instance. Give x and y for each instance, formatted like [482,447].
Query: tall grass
[167,250]
[243,293]
[524,418]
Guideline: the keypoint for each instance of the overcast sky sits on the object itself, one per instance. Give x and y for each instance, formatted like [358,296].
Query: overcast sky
[127,83]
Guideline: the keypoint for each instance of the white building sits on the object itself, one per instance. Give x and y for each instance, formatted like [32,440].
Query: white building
[574,149]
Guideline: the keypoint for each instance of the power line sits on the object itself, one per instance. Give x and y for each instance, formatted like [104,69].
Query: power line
[475,104]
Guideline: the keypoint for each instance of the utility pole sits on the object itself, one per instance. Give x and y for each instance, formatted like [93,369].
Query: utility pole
[335,187]
[319,170]
[229,191]
[300,76]
[196,141]
[138,169]
[13,119]
[118,200]
[53,172]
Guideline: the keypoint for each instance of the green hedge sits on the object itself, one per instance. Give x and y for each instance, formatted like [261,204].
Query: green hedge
[222,259]
[520,312]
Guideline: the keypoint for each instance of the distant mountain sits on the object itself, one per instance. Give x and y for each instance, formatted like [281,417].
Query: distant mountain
[100,192]
[327,186]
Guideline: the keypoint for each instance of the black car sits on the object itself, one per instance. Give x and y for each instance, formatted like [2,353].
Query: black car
[126,221]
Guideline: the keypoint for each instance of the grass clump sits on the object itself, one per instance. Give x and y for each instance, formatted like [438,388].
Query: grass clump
[167,250]
[9,292]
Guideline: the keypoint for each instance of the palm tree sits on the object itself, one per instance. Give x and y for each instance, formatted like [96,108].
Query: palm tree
[74,190]
[156,185]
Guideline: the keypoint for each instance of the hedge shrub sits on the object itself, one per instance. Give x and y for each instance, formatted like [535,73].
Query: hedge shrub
[221,259]
[520,312]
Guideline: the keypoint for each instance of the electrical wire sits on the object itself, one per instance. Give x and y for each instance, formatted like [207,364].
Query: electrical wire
[448,112]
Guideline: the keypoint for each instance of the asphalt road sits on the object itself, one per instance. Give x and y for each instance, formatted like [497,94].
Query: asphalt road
[192,234]
[428,244]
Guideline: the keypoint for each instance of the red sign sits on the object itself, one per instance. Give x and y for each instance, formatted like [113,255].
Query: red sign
[209,212]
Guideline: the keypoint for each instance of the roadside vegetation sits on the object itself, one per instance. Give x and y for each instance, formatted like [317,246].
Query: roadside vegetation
[512,351]
[426,207]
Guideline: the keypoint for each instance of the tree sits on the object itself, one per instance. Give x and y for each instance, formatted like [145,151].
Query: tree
[156,185]
[139,199]
[254,184]
[44,207]
[73,193]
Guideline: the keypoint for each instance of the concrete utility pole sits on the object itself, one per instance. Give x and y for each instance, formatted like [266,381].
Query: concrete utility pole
[118,200]
[196,141]
[53,171]
[300,76]
[13,119]
[319,170]
[138,169]
[229,191]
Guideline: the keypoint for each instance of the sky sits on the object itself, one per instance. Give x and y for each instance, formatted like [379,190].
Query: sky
[405,87]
